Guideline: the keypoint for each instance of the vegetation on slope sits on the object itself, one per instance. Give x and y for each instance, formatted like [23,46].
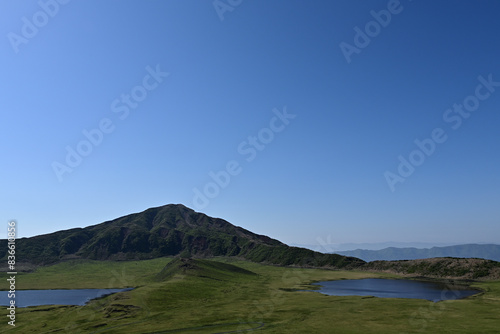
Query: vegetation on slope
[195,301]
[201,268]
[173,230]
[166,231]
[441,268]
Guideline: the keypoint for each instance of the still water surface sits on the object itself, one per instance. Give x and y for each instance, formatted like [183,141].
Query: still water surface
[394,288]
[25,298]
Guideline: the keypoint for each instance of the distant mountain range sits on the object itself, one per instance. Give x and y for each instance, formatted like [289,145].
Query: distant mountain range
[486,251]
[167,230]
[325,246]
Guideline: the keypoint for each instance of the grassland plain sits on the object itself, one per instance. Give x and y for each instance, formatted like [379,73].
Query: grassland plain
[201,297]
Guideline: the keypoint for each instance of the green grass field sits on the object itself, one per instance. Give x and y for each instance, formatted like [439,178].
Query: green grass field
[218,299]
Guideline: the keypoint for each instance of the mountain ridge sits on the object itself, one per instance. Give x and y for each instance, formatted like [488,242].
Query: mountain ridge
[178,231]
[168,230]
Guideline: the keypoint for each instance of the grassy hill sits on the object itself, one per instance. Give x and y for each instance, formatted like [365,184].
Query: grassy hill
[228,295]
[471,269]
[165,231]
[180,267]
[195,274]
[175,230]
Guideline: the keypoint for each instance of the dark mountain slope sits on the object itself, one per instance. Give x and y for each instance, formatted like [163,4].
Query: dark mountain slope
[167,230]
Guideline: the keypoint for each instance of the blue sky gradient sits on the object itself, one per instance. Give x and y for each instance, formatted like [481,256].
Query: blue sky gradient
[320,174]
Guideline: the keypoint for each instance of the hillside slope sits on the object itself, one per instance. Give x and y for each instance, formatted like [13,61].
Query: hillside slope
[456,268]
[167,230]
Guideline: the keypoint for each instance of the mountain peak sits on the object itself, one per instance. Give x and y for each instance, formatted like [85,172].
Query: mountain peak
[168,230]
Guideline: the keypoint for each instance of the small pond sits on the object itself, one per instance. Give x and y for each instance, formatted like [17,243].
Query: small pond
[395,288]
[25,298]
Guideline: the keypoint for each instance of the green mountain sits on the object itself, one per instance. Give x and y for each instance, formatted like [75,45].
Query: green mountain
[486,251]
[163,231]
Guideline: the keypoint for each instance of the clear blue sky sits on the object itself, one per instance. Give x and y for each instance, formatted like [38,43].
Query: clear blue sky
[320,174]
